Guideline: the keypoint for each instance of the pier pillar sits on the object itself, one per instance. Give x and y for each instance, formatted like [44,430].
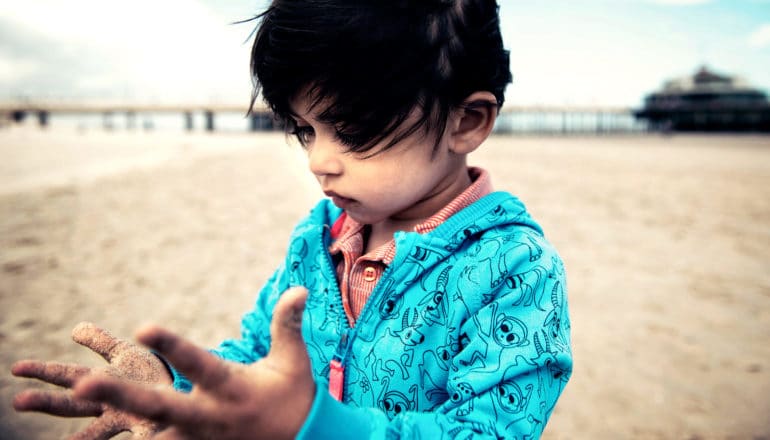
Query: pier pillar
[209,120]
[130,120]
[189,125]
[107,121]
[563,123]
[255,123]
[42,118]
[261,122]
[600,123]
[18,116]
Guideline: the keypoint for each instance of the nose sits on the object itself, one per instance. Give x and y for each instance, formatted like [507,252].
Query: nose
[324,158]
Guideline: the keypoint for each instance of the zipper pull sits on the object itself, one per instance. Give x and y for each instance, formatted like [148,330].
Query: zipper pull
[336,379]
[337,368]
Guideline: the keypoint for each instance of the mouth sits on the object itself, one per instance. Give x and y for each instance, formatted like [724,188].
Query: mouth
[339,200]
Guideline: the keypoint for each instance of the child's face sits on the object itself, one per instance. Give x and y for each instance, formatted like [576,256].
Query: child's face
[404,184]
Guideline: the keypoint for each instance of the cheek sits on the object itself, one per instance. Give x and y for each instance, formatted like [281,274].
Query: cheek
[382,183]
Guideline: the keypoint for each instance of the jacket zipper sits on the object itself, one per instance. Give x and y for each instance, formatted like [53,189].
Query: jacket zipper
[348,334]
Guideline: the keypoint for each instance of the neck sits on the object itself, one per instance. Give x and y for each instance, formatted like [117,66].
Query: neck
[382,232]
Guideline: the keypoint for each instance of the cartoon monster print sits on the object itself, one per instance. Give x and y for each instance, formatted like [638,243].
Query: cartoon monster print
[510,331]
[316,299]
[298,251]
[502,332]
[496,214]
[359,390]
[434,367]
[433,305]
[390,367]
[333,313]
[471,430]
[314,349]
[467,282]
[511,402]
[409,335]
[536,425]
[527,284]
[431,387]
[534,431]
[505,210]
[387,305]
[456,240]
[535,250]
[260,335]
[557,265]
[462,392]
[547,358]
[422,258]
[463,341]
[553,321]
[484,254]
[442,355]
[394,402]
[510,255]
[410,330]
[551,375]
[509,398]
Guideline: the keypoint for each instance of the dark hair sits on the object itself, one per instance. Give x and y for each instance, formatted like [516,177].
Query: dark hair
[370,63]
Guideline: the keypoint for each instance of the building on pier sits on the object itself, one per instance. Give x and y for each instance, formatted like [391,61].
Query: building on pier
[707,101]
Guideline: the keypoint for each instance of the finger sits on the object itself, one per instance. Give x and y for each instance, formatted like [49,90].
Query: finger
[99,340]
[287,346]
[170,434]
[63,375]
[200,366]
[160,405]
[144,430]
[99,429]
[55,403]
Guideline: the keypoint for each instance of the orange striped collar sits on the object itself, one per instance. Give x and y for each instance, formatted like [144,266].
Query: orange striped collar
[350,232]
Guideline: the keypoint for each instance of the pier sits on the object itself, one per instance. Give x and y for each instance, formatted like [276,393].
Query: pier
[545,119]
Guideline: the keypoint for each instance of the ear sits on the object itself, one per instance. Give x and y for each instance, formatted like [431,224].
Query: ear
[472,122]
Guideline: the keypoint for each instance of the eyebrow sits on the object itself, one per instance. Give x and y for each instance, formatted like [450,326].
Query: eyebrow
[298,119]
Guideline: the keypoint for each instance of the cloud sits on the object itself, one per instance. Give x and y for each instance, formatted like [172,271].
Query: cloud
[36,62]
[760,38]
[175,49]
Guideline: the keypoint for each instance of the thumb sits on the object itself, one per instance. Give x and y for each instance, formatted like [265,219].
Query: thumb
[99,340]
[287,346]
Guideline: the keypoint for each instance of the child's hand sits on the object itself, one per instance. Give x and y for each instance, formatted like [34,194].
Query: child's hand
[126,360]
[268,399]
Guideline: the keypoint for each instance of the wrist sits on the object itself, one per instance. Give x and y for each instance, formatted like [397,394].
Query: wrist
[167,375]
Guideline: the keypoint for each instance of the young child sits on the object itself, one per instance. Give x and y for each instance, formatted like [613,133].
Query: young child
[433,306]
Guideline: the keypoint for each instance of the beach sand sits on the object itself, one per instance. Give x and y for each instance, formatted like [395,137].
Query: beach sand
[666,241]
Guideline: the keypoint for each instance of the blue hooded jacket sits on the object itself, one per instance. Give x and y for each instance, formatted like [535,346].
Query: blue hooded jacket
[467,333]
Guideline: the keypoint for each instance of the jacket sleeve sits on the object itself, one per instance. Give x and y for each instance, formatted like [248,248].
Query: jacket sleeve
[255,325]
[513,362]
[254,342]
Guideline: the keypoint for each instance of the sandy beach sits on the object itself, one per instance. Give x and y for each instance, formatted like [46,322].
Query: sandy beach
[666,241]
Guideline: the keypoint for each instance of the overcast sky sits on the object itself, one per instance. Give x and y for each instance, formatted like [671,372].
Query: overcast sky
[574,52]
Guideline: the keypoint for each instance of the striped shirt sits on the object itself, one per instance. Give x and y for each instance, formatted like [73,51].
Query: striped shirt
[357,274]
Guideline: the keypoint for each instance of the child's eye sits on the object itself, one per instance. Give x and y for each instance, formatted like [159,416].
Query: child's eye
[348,140]
[305,135]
